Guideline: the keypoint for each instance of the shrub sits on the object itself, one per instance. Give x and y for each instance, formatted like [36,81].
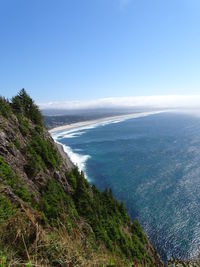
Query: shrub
[14,181]
[7,209]
[71,178]
[2,260]
[5,109]
[55,202]
[34,164]
[41,153]
[17,143]
[23,124]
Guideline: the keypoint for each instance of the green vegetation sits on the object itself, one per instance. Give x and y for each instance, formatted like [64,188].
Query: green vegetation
[5,109]
[25,242]
[106,216]
[2,260]
[17,143]
[79,227]
[22,104]
[23,124]
[41,154]
[109,219]
[7,209]
[55,202]
[14,181]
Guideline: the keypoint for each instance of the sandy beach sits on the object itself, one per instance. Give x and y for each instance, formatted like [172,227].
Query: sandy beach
[102,120]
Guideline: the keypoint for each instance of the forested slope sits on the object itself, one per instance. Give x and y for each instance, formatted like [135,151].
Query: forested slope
[49,214]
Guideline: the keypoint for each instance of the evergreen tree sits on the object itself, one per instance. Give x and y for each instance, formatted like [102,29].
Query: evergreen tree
[23,104]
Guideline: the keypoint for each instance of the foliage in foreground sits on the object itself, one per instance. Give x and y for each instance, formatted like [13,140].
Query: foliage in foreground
[39,246]
[104,222]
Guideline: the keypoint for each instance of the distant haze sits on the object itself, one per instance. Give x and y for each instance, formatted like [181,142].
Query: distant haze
[169,101]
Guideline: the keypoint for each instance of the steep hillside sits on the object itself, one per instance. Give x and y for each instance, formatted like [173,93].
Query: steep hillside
[49,214]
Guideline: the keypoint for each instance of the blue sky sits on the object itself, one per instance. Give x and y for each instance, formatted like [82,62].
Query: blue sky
[63,50]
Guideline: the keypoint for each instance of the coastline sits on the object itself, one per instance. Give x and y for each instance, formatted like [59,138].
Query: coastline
[111,119]
[80,160]
[69,164]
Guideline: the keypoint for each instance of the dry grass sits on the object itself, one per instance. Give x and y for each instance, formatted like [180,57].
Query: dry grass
[30,244]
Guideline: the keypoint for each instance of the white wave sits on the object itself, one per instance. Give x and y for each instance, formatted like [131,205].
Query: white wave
[76,132]
[71,134]
[78,159]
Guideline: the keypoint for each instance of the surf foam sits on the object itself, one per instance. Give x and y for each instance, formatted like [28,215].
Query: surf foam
[79,159]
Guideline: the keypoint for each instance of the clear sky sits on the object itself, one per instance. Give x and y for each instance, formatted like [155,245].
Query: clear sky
[88,49]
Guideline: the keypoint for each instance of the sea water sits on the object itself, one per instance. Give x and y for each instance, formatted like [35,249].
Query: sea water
[152,164]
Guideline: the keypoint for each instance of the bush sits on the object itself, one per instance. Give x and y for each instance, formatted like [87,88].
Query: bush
[17,144]
[55,202]
[34,164]
[71,178]
[7,209]
[5,109]
[41,154]
[14,181]
[23,124]
[3,260]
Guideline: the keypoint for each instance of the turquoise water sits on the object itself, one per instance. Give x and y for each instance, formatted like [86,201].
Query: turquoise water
[152,164]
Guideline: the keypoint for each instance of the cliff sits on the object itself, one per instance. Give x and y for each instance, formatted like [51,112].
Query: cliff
[49,214]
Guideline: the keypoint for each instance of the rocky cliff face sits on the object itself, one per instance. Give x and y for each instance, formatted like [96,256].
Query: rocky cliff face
[49,214]
[13,148]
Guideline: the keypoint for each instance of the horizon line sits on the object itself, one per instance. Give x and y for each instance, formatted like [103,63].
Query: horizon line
[156,101]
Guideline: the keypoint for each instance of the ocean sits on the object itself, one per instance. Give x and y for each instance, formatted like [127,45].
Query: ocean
[152,164]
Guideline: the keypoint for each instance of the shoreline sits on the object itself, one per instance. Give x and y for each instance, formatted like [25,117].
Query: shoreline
[80,124]
[80,160]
